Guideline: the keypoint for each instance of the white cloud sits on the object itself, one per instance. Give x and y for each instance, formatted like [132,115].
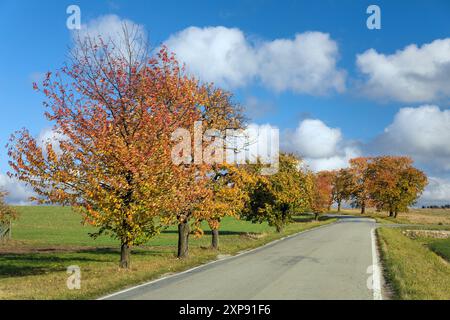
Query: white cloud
[423,133]
[315,139]
[215,54]
[437,191]
[18,193]
[305,64]
[414,74]
[337,161]
[322,147]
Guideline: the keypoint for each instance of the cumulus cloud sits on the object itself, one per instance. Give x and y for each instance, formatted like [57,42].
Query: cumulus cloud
[437,191]
[315,139]
[18,193]
[217,54]
[422,132]
[414,74]
[322,147]
[305,64]
[337,161]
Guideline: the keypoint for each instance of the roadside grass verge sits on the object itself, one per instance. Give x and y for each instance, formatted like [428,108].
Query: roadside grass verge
[412,270]
[47,240]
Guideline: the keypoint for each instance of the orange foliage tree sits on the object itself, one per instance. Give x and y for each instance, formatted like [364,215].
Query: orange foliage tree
[210,178]
[110,158]
[229,185]
[394,183]
[360,193]
[343,186]
[322,192]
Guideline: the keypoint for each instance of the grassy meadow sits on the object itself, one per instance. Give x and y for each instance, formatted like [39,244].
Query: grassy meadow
[47,240]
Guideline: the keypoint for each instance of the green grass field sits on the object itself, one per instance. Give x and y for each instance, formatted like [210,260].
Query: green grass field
[411,268]
[441,247]
[46,240]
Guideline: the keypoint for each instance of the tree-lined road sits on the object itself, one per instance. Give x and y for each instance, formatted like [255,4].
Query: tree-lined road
[330,262]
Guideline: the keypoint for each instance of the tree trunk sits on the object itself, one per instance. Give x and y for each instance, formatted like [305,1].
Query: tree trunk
[339,206]
[316,216]
[395,214]
[391,213]
[183,239]
[363,208]
[125,256]
[279,228]
[215,239]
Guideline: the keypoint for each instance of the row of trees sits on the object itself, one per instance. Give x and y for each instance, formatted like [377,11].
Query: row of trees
[445,206]
[115,109]
[387,183]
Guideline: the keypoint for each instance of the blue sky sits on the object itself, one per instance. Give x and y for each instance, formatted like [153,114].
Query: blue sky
[35,40]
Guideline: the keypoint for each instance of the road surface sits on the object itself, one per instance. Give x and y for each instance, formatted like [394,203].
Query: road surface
[330,262]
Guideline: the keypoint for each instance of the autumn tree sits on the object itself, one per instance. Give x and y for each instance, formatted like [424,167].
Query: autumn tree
[7,214]
[343,186]
[360,193]
[229,185]
[394,183]
[322,192]
[275,198]
[213,178]
[110,158]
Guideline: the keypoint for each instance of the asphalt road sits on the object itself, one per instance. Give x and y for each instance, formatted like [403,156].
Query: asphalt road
[330,262]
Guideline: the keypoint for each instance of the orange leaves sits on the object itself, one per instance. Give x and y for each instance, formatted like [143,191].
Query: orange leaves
[394,183]
[115,118]
[322,196]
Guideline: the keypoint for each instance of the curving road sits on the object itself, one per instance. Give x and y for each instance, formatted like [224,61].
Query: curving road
[329,262]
